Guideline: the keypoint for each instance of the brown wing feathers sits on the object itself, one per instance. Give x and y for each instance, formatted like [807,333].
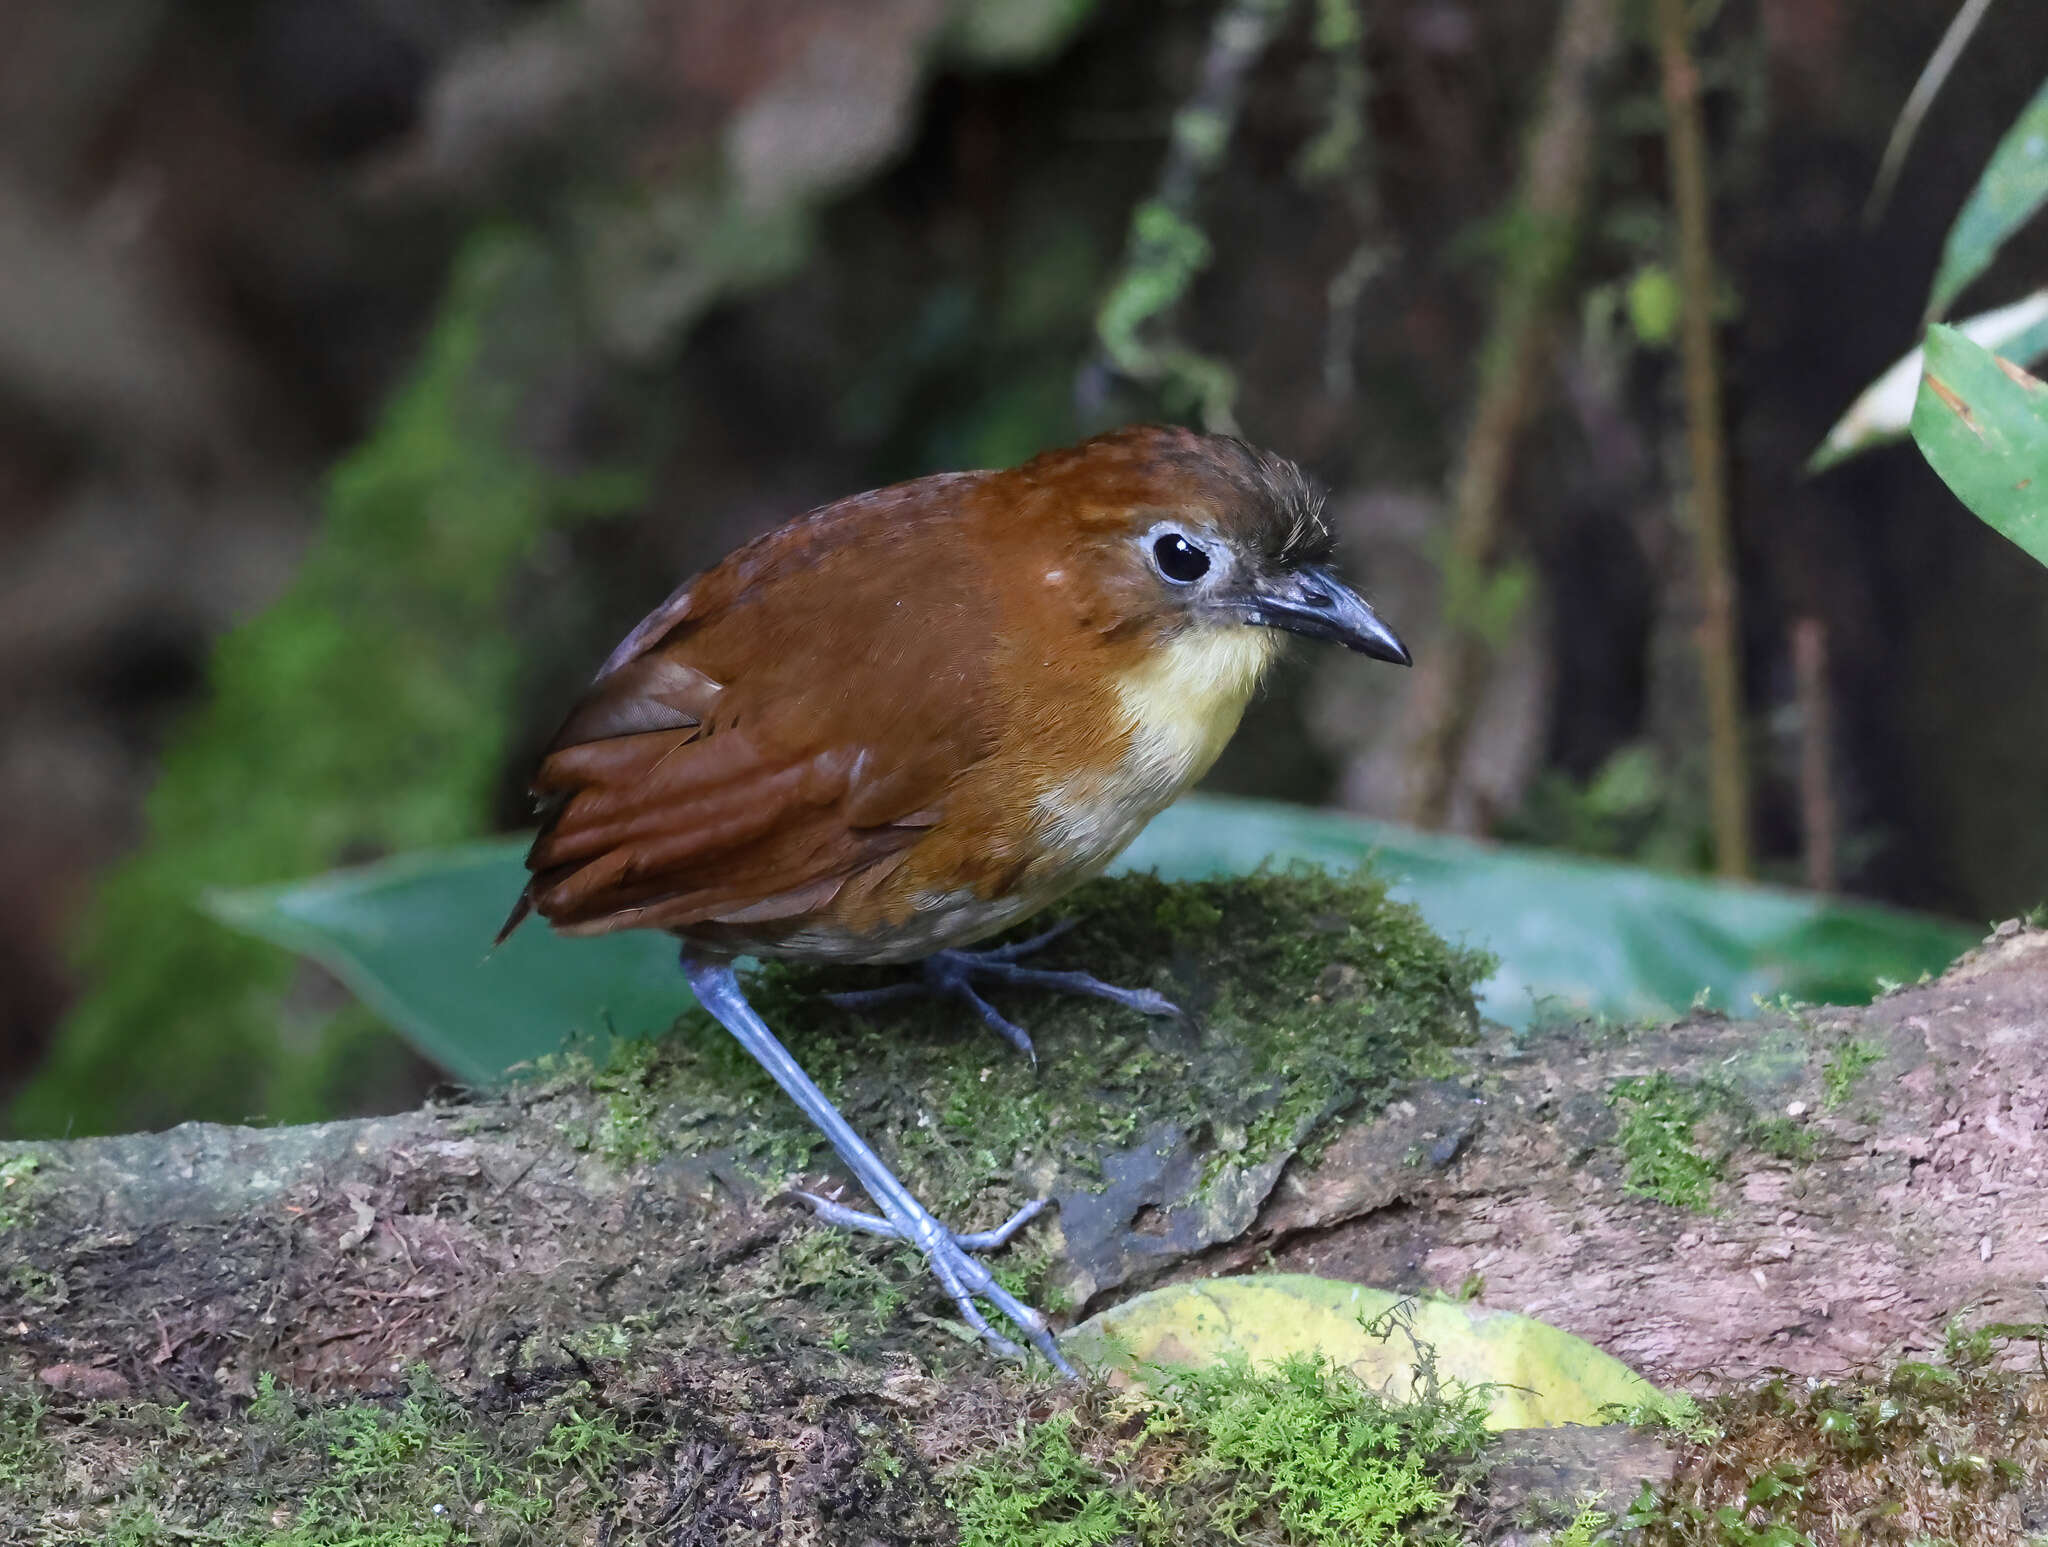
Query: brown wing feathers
[746,752]
[660,831]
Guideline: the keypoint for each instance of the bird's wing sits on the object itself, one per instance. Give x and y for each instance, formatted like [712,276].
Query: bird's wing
[782,725]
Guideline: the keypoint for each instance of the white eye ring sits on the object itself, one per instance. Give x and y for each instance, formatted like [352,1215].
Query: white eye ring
[1179,560]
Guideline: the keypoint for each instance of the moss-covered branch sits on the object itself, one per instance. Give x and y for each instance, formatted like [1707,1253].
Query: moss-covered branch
[520,1317]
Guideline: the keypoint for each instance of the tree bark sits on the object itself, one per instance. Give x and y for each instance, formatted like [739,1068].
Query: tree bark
[1923,1194]
[481,1238]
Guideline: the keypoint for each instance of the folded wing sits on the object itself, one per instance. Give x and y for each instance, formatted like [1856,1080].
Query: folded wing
[785,726]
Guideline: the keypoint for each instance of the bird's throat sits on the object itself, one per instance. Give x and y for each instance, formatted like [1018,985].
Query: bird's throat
[1184,701]
[1179,706]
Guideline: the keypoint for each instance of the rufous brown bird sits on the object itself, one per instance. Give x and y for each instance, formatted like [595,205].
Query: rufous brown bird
[904,721]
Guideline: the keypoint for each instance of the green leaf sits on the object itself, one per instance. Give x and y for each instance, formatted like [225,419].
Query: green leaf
[2013,186]
[1653,305]
[1883,412]
[410,936]
[1393,1343]
[1982,424]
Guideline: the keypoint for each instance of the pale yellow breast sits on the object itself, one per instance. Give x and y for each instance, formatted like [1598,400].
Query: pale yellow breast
[1181,706]
[1185,701]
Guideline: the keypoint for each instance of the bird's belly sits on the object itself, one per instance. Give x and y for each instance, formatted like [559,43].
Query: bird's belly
[938,921]
[1077,828]
[1083,824]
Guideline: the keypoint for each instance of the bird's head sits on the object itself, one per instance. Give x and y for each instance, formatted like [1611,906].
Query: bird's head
[1187,536]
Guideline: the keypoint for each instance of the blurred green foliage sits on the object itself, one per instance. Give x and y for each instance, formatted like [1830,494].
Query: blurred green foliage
[980,373]
[1168,253]
[1630,808]
[2013,187]
[367,712]
[364,713]
[1341,143]
[1570,936]
[1653,305]
[1008,33]
[2010,191]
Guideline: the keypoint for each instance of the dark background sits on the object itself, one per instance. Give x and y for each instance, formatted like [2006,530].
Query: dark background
[773,253]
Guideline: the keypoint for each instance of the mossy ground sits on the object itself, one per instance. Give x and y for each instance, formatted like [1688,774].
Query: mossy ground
[569,1455]
[555,1400]
[1678,1135]
[1954,1453]
[1661,1154]
[1846,1065]
[1300,1454]
[694,1454]
[17,1184]
[638,1365]
[1306,994]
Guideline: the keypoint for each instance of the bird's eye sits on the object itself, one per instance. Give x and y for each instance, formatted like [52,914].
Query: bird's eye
[1179,560]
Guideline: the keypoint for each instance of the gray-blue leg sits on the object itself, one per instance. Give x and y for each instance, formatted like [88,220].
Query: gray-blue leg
[903,1217]
[952,973]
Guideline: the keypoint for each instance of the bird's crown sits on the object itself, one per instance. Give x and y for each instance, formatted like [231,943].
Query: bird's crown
[1263,504]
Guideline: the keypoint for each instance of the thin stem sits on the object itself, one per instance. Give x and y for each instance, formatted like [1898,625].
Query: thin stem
[1816,734]
[1555,176]
[1720,654]
[1939,64]
[1167,248]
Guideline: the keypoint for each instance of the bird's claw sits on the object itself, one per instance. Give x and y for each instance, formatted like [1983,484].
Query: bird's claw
[952,974]
[833,1212]
[949,1256]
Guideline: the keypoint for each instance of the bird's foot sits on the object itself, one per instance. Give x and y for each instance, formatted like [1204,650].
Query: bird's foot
[953,1265]
[952,973]
[902,1218]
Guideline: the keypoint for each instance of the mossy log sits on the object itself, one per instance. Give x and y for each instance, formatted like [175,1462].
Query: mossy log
[609,1247]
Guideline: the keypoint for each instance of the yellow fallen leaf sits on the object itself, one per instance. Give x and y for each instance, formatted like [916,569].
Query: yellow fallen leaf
[1543,1376]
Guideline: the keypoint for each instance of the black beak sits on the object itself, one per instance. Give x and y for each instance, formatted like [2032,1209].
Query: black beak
[1312,601]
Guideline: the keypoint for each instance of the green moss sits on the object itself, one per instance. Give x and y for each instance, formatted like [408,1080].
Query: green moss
[365,712]
[1306,988]
[626,1085]
[1660,1156]
[1781,1138]
[1587,1528]
[420,1470]
[1299,1453]
[1678,1413]
[26,1459]
[1309,993]
[1844,1067]
[1040,1492]
[35,1286]
[1925,1453]
[17,1184]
